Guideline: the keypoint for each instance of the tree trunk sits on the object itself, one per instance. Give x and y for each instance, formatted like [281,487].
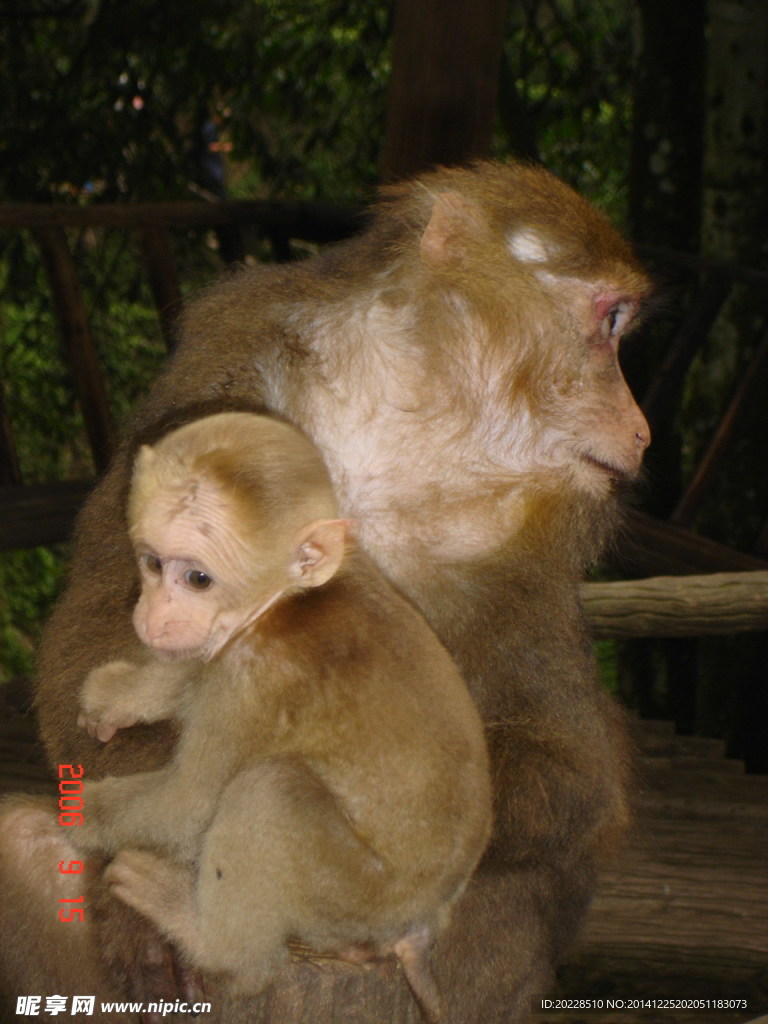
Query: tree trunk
[443,89]
[736,132]
[668,83]
[664,210]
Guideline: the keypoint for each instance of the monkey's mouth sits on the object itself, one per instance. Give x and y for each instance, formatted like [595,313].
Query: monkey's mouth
[610,468]
[168,654]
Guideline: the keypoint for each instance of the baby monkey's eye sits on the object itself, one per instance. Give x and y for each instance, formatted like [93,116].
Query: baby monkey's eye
[152,564]
[197,580]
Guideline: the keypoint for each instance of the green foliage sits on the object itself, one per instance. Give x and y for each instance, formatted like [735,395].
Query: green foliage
[110,97]
[314,121]
[40,404]
[29,583]
[607,664]
[565,93]
[38,390]
[39,401]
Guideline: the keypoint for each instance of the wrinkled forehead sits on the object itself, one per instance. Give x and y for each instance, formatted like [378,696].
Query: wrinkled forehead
[157,501]
[192,520]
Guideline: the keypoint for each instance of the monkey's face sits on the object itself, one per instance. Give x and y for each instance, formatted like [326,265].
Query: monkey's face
[200,583]
[179,611]
[595,426]
[555,398]
[497,365]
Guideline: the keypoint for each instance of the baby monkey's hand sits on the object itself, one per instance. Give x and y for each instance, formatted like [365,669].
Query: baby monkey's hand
[107,701]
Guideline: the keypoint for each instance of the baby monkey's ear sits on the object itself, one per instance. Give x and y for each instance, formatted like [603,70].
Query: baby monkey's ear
[318,551]
[145,457]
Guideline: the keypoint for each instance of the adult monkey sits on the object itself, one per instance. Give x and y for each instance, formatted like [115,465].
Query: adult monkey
[457,365]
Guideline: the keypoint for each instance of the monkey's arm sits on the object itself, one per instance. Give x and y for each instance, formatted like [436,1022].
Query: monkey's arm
[168,809]
[121,694]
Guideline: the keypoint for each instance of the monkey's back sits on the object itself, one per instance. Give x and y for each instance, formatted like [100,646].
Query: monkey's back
[352,681]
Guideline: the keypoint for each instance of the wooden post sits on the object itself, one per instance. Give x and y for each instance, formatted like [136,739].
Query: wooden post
[750,387]
[10,473]
[444,83]
[158,259]
[80,350]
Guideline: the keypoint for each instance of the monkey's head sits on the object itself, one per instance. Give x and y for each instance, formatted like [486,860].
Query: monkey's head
[227,515]
[525,291]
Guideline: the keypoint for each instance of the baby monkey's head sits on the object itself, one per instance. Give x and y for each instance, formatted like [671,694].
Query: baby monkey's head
[226,515]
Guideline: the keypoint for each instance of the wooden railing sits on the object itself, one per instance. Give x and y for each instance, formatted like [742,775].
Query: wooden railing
[718,604]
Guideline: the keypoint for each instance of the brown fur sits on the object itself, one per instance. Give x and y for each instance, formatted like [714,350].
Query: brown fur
[473,418]
[342,796]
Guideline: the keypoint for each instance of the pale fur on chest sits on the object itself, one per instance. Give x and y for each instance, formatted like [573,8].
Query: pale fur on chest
[419,458]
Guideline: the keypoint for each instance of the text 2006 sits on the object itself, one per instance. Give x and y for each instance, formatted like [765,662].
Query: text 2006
[71,813]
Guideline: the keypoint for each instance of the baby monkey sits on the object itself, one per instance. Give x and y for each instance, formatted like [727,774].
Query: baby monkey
[331,783]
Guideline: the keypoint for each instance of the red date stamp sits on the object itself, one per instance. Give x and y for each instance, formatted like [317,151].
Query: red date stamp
[70,794]
[71,814]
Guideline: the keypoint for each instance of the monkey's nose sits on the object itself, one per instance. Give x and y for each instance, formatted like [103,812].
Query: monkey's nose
[156,630]
[642,430]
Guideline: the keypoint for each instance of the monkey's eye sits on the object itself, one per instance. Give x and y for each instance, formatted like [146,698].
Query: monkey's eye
[615,320]
[152,564]
[197,580]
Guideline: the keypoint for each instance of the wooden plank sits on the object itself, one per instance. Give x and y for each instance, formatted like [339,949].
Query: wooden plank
[665,742]
[716,604]
[683,910]
[651,547]
[665,791]
[39,513]
[79,347]
[310,221]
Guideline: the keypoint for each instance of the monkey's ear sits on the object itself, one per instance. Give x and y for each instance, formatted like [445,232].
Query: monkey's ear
[146,456]
[453,220]
[318,551]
